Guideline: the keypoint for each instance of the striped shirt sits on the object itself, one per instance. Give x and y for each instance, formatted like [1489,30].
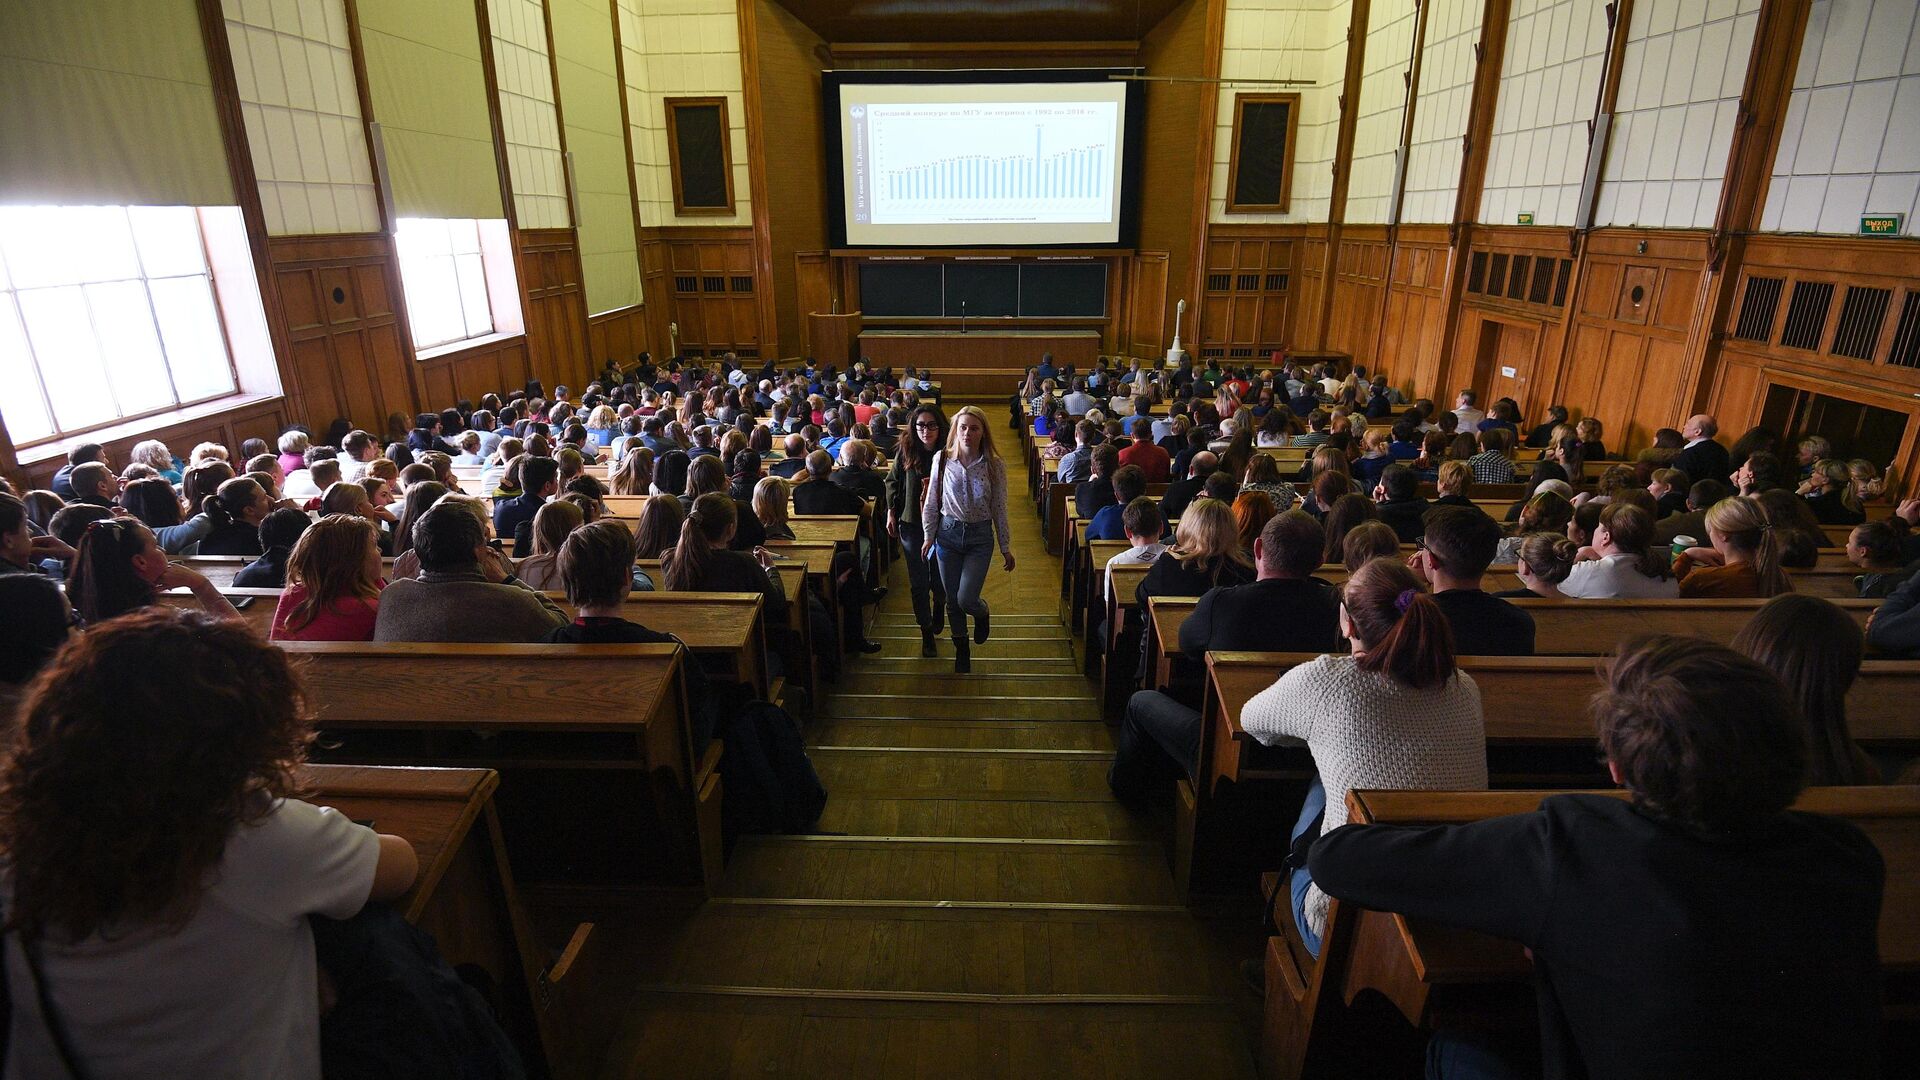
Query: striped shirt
[969,493]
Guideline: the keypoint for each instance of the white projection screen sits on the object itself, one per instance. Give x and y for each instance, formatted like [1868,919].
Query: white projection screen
[989,164]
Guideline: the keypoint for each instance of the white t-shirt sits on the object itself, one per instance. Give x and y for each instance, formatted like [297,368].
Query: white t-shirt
[233,993]
[1131,555]
[1615,577]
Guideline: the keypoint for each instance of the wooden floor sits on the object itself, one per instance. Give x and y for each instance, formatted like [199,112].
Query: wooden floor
[974,903]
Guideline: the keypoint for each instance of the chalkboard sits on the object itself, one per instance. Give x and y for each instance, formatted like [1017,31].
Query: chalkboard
[988,289]
[1063,289]
[900,288]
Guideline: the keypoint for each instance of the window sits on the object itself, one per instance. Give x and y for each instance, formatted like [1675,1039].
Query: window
[700,150]
[106,313]
[446,280]
[1260,172]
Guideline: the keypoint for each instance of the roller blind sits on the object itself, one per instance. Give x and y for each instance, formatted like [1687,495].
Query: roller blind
[590,104]
[108,102]
[430,99]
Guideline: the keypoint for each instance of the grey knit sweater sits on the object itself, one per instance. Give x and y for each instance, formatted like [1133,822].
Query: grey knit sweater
[462,605]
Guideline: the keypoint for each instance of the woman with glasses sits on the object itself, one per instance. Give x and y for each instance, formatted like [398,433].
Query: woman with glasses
[906,483]
[118,567]
[964,510]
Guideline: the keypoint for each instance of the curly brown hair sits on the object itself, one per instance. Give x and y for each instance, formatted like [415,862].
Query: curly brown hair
[133,757]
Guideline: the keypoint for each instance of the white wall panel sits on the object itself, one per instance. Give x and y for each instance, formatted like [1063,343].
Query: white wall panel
[1285,39]
[1848,145]
[1680,81]
[1549,83]
[1441,110]
[293,66]
[680,48]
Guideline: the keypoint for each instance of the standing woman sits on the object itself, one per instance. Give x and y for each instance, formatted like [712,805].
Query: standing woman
[966,505]
[907,481]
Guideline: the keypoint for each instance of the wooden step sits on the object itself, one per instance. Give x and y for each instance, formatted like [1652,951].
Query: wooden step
[1051,647]
[1003,734]
[877,872]
[1048,819]
[984,777]
[896,661]
[785,1037]
[939,678]
[970,706]
[942,952]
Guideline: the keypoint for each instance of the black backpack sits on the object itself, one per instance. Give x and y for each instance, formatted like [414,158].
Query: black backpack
[768,781]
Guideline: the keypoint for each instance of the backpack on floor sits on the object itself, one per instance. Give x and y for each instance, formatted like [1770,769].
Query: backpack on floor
[768,781]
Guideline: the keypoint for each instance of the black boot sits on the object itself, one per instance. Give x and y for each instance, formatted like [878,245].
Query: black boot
[927,647]
[929,624]
[980,626]
[939,616]
[962,660]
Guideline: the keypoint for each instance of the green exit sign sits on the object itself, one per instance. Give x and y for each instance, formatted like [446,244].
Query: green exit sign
[1527,219]
[1882,224]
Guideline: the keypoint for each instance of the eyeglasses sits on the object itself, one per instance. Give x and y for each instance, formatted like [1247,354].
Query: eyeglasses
[927,426]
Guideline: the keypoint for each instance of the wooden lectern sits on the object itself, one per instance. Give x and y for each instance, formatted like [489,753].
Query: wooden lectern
[834,339]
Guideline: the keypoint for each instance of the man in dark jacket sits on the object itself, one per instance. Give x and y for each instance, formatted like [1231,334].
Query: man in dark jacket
[1454,557]
[1285,609]
[1400,504]
[1182,492]
[819,494]
[1702,458]
[539,481]
[1668,930]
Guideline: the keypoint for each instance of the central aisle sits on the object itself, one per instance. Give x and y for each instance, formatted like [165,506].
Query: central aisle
[974,904]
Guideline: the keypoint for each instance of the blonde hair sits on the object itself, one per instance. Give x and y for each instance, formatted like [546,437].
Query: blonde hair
[553,522]
[601,418]
[1208,536]
[770,500]
[1455,478]
[330,561]
[1839,477]
[1743,521]
[213,451]
[986,432]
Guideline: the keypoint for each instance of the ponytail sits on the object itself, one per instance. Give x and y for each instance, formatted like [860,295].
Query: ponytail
[712,517]
[1767,569]
[226,505]
[1743,520]
[1406,635]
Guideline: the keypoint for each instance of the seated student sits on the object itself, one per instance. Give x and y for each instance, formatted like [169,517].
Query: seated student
[38,622]
[1394,713]
[1129,483]
[1458,549]
[62,482]
[1545,511]
[1876,549]
[819,494]
[551,527]
[93,484]
[1251,512]
[1206,553]
[1701,495]
[596,570]
[1096,492]
[770,498]
[466,590]
[1626,566]
[1542,563]
[118,567]
[1366,541]
[1453,484]
[703,561]
[236,511]
[1400,504]
[334,579]
[856,472]
[170,918]
[1894,627]
[1151,460]
[1182,492]
[1492,465]
[1263,474]
[1815,649]
[1742,556]
[278,533]
[1830,494]
[1697,894]
[1144,527]
[539,481]
[1668,488]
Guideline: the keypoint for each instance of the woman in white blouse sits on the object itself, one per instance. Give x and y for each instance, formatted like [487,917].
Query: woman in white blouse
[965,506]
[1626,567]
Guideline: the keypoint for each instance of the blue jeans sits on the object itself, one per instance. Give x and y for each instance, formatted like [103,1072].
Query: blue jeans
[965,549]
[1309,811]
[1157,735]
[921,580]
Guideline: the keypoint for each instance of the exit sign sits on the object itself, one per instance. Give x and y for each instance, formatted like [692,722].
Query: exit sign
[1882,224]
[1527,219]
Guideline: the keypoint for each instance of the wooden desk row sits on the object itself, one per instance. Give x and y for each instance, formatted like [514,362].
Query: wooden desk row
[1431,972]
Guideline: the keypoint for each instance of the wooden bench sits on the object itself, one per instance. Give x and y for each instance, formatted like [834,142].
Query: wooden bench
[1528,702]
[1428,971]
[465,897]
[599,785]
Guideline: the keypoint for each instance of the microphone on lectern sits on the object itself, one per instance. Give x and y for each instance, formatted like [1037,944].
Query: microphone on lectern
[963,316]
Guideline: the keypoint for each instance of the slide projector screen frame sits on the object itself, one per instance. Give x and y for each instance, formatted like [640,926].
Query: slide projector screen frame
[985,236]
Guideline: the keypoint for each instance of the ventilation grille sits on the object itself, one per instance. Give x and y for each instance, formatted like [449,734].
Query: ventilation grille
[1517,284]
[1497,275]
[1276,283]
[1861,314]
[1205,353]
[1240,352]
[1757,306]
[1807,314]
[1247,282]
[1219,282]
[1906,338]
[713,283]
[1477,273]
[686,283]
[746,351]
[1542,288]
[1562,282]
[741,283]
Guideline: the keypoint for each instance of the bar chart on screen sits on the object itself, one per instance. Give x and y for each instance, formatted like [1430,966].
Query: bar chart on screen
[992,162]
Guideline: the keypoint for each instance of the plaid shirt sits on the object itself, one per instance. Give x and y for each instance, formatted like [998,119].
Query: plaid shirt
[1490,467]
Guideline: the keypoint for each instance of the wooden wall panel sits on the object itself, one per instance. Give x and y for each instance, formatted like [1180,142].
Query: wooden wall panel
[619,335]
[1413,322]
[495,365]
[793,143]
[262,419]
[1176,111]
[1359,292]
[1247,289]
[340,296]
[554,306]
[1147,333]
[701,280]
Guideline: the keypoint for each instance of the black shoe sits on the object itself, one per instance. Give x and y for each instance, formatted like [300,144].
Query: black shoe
[879,594]
[980,628]
[962,662]
[867,647]
[927,647]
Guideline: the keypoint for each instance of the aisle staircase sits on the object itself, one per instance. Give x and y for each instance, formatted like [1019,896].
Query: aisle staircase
[973,903]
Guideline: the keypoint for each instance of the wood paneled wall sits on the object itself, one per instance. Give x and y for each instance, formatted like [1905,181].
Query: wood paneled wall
[1170,214]
[262,419]
[554,307]
[1247,288]
[794,143]
[1412,325]
[350,357]
[1359,291]
[701,280]
[490,366]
